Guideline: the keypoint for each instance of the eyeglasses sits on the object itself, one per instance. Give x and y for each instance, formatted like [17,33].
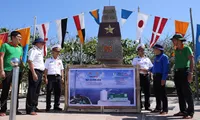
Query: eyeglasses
[19,36]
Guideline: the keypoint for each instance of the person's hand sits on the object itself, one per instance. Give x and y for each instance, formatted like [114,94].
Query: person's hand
[35,77]
[163,82]
[2,74]
[189,77]
[46,81]
[63,81]
[151,76]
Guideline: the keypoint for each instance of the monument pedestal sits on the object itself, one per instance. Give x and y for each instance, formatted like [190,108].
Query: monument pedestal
[109,48]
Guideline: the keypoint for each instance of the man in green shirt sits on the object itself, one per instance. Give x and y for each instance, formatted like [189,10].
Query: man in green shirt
[7,52]
[184,62]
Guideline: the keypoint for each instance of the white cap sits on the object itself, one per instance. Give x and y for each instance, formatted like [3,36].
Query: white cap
[56,46]
[140,45]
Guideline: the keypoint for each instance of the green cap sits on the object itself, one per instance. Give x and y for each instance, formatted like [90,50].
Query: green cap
[178,37]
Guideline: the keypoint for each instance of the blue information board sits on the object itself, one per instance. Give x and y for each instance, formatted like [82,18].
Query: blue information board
[102,87]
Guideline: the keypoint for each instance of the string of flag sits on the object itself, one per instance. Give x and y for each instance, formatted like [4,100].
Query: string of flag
[79,21]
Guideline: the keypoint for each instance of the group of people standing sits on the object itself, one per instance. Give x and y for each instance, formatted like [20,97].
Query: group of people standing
[184,64]
[51,70]
[53,75]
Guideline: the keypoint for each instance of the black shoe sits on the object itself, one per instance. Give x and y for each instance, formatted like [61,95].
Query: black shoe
[180,114]
[148,109]
[156,111]
[58,109]
[37,110]
[18,112]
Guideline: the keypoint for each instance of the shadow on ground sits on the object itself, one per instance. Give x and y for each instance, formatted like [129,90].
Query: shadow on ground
[147,116]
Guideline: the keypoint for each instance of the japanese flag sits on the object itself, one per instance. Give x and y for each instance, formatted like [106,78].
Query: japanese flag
[141,22]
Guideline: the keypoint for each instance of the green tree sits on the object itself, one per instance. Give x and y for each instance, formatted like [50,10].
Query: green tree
[129,50]
[2,30]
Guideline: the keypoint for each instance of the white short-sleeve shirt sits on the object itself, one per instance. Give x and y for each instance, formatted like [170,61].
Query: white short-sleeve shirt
[35,55]
[144,62]
[54,66]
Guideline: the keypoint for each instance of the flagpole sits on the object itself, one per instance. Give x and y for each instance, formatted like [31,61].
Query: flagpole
[109,2]
[81,49]
[34,27]
[194,49]
[81,57]
[138,12]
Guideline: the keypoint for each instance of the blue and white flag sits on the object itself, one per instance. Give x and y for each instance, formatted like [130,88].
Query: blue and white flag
[197,54]
[125,15]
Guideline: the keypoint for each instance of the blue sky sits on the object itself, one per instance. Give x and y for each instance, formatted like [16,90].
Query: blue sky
[20,13]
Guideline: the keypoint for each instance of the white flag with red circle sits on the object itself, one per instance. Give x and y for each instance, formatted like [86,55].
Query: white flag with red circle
[159,24]
[141,23]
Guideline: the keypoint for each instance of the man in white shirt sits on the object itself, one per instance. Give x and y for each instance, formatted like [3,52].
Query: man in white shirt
[36,68]
[53,77]
[144,63]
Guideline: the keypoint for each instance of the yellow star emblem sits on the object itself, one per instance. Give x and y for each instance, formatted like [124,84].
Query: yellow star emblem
[109,29]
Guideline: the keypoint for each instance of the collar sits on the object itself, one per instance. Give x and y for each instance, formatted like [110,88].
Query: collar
[54,58]
[36,47]
[141,57]
[11,43]
[160,54]
[182,47]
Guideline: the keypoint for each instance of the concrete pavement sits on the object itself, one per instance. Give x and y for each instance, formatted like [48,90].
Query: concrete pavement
[173,108]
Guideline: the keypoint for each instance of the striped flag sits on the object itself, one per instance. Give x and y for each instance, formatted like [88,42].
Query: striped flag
[80,26]
[95,15]
[61,30]
[42,30]
[181,27]
[159,24]
[25,33]
[3,38]
[125,15]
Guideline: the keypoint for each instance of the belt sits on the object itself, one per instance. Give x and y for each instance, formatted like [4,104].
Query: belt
[55,75]
[144,74]
[181,69]
[38,70]
[157,74]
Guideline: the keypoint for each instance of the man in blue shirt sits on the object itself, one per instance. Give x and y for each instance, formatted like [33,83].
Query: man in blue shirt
[160,71]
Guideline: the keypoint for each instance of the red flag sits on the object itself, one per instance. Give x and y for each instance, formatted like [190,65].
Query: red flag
[3,38]
[80,26]
[159,24]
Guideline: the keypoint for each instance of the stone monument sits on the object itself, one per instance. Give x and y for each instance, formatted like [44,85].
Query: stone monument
[109,48]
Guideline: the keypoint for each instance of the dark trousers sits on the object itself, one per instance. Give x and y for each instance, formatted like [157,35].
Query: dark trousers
[184,92]
[160,93]
[54,83]
[5,90]
[145,87]
[33,91]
